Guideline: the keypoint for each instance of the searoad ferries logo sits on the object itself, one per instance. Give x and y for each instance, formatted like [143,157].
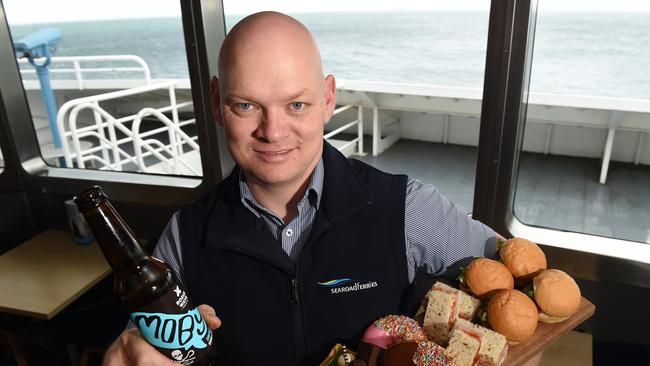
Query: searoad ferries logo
[342,285]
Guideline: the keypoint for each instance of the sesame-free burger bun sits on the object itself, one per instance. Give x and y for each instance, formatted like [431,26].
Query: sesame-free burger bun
[523,258]
[512,314]
[557,294]
[485,276]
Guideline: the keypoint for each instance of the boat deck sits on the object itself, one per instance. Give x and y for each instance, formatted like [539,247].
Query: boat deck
[553,191]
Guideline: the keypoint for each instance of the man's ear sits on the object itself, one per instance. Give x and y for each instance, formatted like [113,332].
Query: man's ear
[216,101]
[330,97]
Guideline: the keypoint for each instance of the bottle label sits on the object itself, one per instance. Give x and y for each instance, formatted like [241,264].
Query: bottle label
[180,335]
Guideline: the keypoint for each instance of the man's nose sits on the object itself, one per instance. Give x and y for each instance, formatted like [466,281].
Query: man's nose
[273,127]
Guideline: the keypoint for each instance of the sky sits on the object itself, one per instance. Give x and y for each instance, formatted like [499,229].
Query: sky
[24,11]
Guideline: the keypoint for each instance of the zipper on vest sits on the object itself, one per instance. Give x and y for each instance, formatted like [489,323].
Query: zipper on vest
[296,321]
[294,291]
[299,339]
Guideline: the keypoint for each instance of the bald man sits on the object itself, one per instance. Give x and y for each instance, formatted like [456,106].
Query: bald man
[298,248]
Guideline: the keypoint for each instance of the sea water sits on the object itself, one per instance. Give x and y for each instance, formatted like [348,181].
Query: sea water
[593,54]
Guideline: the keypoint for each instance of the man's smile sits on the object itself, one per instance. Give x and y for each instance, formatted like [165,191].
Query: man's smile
[273,155]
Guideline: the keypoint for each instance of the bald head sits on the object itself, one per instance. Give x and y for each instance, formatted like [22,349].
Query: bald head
[273,101]
[269,37]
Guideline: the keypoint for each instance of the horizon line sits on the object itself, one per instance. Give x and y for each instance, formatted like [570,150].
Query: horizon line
[544,11]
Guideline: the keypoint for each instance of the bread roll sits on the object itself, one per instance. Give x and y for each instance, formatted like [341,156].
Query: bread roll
[513,314]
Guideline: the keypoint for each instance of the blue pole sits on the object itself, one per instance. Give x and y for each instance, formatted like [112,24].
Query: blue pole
[48,99]
[36,46]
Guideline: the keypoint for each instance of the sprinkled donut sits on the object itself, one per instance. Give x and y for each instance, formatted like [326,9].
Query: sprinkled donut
[430,354]
[392,329]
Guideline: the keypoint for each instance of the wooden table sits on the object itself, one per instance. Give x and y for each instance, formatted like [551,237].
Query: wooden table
[43,275]
[546,334]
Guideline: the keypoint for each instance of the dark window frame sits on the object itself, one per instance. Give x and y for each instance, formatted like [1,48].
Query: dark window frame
[503,119]
[146,200]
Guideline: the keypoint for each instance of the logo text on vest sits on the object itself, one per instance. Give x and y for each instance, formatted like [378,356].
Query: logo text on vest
[347,285]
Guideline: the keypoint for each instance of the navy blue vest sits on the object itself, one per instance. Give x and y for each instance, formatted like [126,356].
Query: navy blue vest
[351,271]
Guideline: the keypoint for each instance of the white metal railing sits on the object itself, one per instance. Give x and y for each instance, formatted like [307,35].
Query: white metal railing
[73,65]
[119,140]
[113,152]
[611,114]
[175,148]
[358,140]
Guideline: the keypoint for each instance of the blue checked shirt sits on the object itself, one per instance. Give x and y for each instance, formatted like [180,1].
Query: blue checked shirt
[437,232]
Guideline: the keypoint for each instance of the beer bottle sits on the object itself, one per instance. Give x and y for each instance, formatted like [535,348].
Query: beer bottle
[158,304]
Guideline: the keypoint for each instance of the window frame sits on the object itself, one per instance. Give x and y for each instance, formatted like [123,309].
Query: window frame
[36,176]
[500,143]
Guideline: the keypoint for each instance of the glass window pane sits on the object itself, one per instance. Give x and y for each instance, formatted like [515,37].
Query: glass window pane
[107,84]
[416,69]
[586,151]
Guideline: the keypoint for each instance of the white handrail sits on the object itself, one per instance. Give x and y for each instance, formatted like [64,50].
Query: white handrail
[341,129]
[66,107]
[343,109]
[111,124]
[105,130]
[147,144]
[173,129]
[357,122]
[550,110]
[79,71]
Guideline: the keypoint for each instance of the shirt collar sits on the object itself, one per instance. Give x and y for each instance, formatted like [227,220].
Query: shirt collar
[313,193]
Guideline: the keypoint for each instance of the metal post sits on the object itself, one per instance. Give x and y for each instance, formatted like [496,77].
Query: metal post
[614,122]
[547,143]
[77,74]
[39,46]
[639,148]
[360,129]
[48,99]
[445,128]
[607,155]
[176,147]
[376,132]
[116,165]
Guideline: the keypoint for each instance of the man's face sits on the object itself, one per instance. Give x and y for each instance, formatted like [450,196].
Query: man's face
[274,108]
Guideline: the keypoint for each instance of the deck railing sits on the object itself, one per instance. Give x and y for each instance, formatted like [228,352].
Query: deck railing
[171,154]
[113,152]
[347,146]
[113,143]
[551,111]
[74,65]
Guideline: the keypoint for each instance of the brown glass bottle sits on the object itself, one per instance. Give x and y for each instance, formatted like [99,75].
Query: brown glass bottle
[158,304]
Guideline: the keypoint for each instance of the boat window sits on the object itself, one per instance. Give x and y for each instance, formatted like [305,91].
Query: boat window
[107,84]
[585,164]
[412,71]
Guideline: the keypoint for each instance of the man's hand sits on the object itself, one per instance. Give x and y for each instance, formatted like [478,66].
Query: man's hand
[208,314]
[132,349]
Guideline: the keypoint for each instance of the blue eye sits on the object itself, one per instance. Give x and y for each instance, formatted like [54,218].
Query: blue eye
[296,106]
[244,106]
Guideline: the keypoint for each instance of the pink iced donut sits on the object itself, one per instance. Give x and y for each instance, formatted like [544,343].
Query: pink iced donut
[392,329]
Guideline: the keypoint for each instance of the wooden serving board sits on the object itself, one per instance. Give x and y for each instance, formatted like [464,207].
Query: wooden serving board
[546,334]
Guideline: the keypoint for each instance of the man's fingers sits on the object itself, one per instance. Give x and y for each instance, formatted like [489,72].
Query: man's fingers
[141,353]
[208,313]
[131,349]
[206,309]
